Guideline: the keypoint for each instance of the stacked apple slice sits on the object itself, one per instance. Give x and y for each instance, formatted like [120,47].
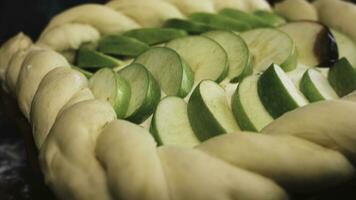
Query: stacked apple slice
[217,81]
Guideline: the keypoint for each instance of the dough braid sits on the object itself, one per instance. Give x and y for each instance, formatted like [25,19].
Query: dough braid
[85,153]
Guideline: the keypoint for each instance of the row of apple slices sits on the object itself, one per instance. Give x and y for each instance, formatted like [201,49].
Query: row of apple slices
[212,56]
[134,42]
[257,101]
[306,42]
[163,68]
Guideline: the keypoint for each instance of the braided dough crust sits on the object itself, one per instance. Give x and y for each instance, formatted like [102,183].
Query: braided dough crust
[85,153]
[20,41]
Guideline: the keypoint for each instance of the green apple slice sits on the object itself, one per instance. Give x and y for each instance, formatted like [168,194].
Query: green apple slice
[154,36]
[346,47]
[145,92]
[187,25]
[252,20]
[269,46]
[238,54]
[297,74]
[270,18]
[315,43]
[83,71]
[316,87]
[208,111]
[342,77]
[170,124]
[219,22]
[206,57]
[174,76]
[109,86]
[92,59]
[278,93]
[247,107]
[118,45]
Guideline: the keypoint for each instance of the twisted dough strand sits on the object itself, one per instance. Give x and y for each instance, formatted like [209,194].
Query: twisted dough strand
[35,66]
[146,13]
[133,163]
[18,42]
[86,154]
[62,82]
[68,157]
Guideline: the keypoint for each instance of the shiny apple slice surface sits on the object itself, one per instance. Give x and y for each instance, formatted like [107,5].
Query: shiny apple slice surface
[316,87]
[207,58]
[209,112]
[172,73]
[315,43]
[170,124]
[109,86]
[278,93]
[267,46]
[238,54]
[247,107]
[145,92]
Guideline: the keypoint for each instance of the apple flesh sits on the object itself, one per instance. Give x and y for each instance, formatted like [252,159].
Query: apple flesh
[315,43]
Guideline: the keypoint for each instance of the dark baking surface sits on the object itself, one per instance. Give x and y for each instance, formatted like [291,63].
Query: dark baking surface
[19,179]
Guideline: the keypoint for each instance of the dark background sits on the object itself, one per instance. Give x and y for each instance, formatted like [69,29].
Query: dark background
[18,180]
[31,16]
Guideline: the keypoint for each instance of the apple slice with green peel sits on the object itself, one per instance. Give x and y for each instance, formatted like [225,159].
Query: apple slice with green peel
[316,87]
[145,92]
[278,93]
[346,47]
[86,73]
[269,46]
[206,57]
[170,124]
[154,36]
[342,77]
[187,25]
[174,76]
[92,59]
[270,18]
[250,19]
[247,107]
[297,74]
[109,86]
[208,111]
[238,54]
[315,43]
[119,45]
[219,22]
